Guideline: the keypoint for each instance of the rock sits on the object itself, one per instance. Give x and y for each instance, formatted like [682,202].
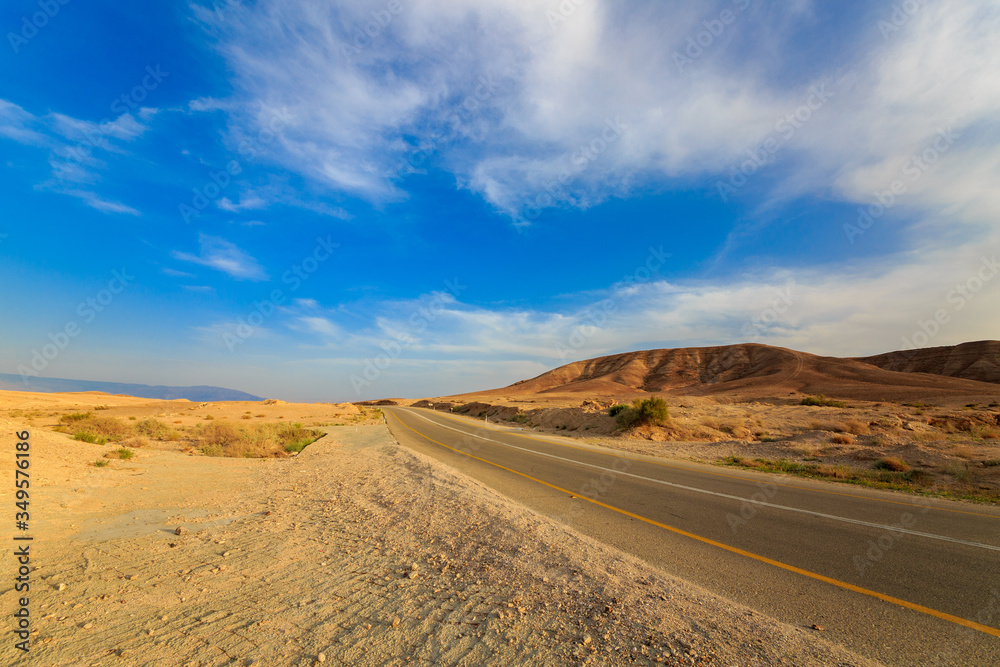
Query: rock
[321,657]
[60,587]
[816,627]
[180,530]
[587,639]
[395,622]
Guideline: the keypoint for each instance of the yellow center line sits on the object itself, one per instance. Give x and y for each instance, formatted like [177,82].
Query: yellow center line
[763,559]
[721,474]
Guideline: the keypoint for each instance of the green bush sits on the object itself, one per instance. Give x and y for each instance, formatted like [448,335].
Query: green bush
[125,453]
[643,412]
[298,445]
[614,410]
[822,401]
[75,417]
[84,436]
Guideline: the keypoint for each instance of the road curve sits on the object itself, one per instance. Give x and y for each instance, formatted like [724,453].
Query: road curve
[898,578]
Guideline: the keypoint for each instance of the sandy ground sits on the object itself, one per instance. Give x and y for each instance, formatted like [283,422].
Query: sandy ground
[354,552]
[954,447]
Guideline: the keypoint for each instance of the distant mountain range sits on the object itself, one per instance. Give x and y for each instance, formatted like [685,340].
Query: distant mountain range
[11,382]
[750,370]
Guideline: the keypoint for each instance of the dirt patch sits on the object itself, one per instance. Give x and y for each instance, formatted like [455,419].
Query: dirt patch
[354,552]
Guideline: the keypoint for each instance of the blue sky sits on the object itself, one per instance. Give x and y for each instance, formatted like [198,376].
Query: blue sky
[333,201]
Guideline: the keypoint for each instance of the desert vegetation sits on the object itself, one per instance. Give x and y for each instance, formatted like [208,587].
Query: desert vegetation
[223,438]
[214,437]
[642,412]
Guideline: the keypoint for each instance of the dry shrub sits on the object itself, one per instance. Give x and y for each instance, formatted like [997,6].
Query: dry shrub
[220,433]
[222,438]
[155,429]
[826,426]
[855,427]
[842,439]
[138,442]
[891,463]
[711,422]
[964,452]
[109,428]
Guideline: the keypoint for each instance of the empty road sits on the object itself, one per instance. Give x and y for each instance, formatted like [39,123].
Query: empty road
[899,578]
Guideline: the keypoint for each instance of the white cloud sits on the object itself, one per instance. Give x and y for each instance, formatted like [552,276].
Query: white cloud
[74,147]
[519,99]
[851,312]
[221,255]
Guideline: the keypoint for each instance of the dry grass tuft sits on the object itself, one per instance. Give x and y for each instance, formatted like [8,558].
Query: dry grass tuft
[855,427]
[223,438]
[891,463]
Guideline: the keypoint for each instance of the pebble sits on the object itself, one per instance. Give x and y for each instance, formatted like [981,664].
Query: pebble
[179,530]
[321,657]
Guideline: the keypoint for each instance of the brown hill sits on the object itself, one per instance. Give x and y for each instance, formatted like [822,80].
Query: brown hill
[973,361]
[746,371]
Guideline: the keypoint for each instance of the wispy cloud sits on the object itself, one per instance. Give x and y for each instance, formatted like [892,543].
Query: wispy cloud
[852,311]
[221,255]
[77,149]
[521,117]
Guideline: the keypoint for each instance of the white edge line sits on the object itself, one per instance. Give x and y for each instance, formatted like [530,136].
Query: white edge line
[763,503]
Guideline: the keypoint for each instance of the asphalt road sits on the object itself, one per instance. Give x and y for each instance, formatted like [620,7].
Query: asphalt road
[898,578]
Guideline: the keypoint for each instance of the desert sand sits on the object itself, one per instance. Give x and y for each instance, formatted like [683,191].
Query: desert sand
[929,427]
[355,551]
